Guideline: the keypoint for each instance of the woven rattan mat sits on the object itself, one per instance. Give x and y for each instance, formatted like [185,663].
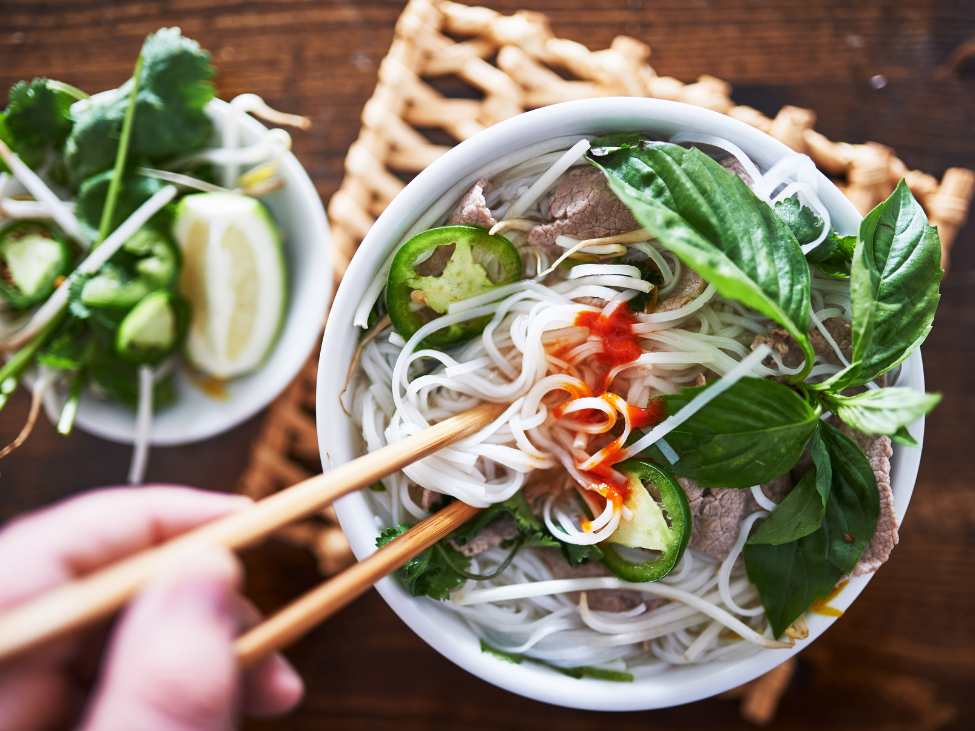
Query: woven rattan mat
[512,64]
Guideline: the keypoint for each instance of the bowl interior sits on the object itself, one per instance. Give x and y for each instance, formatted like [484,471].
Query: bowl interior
[298,212]
[434,190]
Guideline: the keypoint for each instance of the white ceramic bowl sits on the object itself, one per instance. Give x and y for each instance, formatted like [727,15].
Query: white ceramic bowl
[298,212]
[446,180]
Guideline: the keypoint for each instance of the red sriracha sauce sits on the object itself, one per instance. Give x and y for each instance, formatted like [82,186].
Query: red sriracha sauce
[652,415]
[616,332]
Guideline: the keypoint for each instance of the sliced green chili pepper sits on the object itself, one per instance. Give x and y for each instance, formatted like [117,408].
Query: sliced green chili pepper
[649,528]
[33,256]
[153,329]
[147,262]
[445,265]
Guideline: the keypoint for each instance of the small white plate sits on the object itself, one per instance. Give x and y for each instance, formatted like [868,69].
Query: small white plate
[298,212]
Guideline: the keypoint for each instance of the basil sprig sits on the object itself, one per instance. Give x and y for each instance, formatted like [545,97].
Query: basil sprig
[894,282]
[715,224]
[757,430]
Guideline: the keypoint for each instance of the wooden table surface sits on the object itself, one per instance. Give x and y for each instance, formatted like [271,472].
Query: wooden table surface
[904,656]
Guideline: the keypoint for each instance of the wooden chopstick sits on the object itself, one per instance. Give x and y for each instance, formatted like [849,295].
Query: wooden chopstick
[86,600]
[296,619]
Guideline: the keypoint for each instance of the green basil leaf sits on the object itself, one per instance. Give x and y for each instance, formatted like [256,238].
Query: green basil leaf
[619,141]
[904,438]
[854,501]
[791,576]
[748,435]
[715,224]
[883,410]
[894,284]
[801,511]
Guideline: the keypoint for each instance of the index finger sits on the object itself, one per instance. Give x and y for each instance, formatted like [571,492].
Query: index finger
[73,538]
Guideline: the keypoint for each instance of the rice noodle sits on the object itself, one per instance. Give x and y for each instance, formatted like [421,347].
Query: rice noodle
[729,147]
[549,178]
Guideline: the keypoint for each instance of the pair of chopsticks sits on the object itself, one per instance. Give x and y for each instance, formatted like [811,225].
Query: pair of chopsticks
[79,603]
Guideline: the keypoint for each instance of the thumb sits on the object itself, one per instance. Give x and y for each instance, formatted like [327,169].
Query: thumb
[171,665]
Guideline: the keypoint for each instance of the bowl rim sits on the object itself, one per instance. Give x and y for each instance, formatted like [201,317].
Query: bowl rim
[103,418]
[440,628]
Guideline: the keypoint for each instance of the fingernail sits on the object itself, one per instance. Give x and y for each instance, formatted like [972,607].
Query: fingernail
[287,677]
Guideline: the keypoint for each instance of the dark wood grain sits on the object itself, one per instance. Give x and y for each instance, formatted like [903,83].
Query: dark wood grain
[904,656]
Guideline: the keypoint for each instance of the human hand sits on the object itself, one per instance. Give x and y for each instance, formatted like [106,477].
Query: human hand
[169,663]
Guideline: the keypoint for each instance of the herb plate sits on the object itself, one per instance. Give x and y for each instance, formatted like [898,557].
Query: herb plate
[200,412]
[416,207]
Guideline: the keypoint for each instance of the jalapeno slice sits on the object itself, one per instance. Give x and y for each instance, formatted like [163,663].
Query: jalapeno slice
[33,256]
[441,266]
[649,528]
[153,329]
[147,262]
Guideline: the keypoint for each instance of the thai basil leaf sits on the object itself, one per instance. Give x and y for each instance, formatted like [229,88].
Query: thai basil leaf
[801,511]
[750,434]
[715,224]
[894,284]
[791,576]
[854,500]
[619,141]
[883,410]
[903,437]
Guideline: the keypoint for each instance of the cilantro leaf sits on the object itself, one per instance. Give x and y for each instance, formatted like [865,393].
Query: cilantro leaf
[834,254]
[36,120]
[134,191]
[170,116]
[428,574]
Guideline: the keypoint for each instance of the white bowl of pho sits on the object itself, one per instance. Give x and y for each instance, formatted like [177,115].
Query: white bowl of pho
[695,474]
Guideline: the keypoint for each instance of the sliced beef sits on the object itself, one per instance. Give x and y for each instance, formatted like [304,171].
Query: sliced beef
[607,600]
[583,207]
[716,514]
[791,353]
[731,163]
[428,498]
[878,450]
[786,345]
[776,490]
[688,288]
[494,534]
[840,332]
[472,209]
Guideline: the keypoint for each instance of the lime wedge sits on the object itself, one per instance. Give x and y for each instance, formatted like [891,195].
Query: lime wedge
[234,277]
